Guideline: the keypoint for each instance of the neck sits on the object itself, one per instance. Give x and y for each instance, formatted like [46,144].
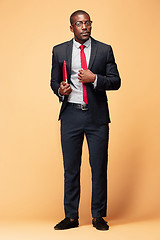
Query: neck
[81,41]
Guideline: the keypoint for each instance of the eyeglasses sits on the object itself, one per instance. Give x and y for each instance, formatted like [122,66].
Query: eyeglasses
[80,23]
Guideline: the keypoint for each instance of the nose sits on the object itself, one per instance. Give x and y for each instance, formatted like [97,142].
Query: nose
[83,25]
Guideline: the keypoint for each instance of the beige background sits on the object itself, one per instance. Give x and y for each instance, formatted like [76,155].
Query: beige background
[31,169]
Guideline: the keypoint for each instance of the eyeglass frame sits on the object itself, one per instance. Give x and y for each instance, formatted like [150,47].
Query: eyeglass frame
[81,23]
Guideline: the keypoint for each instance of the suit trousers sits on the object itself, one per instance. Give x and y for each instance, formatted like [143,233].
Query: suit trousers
[75,123]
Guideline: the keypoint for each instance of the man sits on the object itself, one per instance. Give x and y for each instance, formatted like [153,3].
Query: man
[91,70]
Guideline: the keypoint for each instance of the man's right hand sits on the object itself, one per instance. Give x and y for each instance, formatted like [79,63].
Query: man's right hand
[65,88]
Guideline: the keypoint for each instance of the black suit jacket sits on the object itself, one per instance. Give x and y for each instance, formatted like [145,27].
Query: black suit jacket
[102,63]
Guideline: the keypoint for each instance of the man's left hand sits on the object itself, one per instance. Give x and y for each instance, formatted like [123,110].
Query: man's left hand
[86,76]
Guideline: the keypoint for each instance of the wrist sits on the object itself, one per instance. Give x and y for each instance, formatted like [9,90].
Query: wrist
[94,78]
[61,95]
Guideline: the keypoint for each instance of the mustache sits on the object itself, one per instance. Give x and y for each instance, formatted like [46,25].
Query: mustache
[84,32]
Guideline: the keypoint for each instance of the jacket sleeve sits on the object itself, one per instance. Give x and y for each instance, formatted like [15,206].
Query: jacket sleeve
[111,80]
[56,75]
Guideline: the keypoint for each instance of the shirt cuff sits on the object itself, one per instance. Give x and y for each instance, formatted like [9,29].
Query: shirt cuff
[61,96]
[95,82]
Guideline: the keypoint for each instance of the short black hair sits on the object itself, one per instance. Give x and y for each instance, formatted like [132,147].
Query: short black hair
[76,13]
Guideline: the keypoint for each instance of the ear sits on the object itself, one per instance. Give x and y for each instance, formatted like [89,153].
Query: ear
[71,28]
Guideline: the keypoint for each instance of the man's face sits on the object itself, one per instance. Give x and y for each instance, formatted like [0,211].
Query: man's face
[82,32]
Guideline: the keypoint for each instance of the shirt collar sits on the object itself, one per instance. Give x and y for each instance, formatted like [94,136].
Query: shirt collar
[86,44]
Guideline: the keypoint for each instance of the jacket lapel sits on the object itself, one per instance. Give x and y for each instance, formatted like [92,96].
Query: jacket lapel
[93,52]
[69,57]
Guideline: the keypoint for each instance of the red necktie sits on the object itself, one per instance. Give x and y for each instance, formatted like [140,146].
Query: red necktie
[84,66]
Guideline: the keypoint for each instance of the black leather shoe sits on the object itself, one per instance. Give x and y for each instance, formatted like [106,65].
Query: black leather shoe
[100,224]
[66,224]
